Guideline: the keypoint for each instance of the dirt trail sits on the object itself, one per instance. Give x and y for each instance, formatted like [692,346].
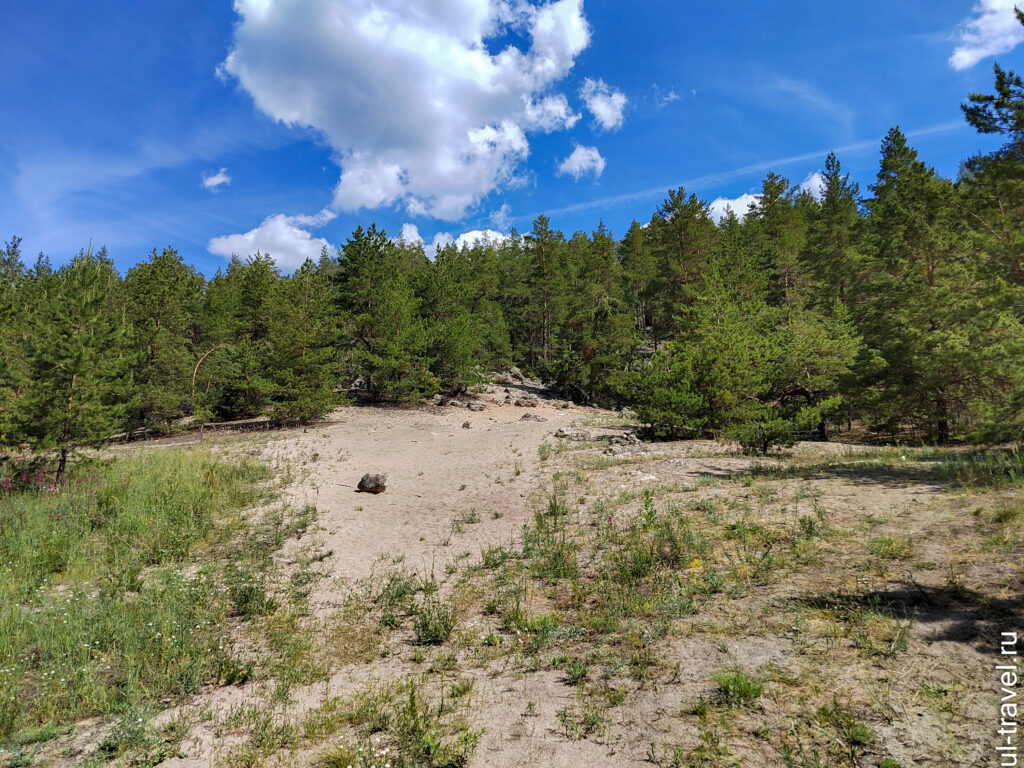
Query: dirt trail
[437,470]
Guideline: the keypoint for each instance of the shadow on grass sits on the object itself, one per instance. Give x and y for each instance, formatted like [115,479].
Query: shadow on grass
[960,614]
[936,470]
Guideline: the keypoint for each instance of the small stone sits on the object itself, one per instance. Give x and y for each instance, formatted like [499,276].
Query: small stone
[532,417]
[475,406]
[571,433]
[466,425]
[373,482]
[455,403]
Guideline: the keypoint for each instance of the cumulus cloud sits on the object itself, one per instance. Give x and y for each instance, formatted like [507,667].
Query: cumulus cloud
[280,236]
[993,30]
[605,103]
[814,184]
[582,161]
[479,236]
[418,110]
[411,234]
[214,180]
[719,208]
[552,113]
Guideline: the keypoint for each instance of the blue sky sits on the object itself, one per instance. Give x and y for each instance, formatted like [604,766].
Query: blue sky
[283,124]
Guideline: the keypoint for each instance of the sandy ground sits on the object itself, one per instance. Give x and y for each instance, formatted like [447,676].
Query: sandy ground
[439,471]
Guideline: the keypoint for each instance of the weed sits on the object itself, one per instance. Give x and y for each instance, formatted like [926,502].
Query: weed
[434,622]
[736,688]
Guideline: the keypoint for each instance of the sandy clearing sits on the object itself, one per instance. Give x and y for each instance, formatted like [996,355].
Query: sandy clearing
[437,470]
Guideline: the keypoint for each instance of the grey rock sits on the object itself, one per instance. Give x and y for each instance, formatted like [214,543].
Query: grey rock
[466,425]
[437,400]
[373,482]
[455,403]
[628,413]
[532,417]
[475,406]
[571,433]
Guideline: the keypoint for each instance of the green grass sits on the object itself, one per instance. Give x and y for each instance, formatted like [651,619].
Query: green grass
[102,610]
[736,688]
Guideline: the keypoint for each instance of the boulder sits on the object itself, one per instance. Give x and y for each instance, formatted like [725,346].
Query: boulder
[526,400]
[373,482]
[572,433]
[627,413]
[437,399]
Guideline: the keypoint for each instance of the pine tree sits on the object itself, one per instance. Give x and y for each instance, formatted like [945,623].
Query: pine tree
[547,291]
[683,239]
[830,256]
[302,338]
[777,229]
[80,372]
[13,373]
[933,335]
[383,335]
[638,270]
[163,298]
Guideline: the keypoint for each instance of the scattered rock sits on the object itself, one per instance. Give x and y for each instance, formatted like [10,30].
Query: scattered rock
[455,403]
[532,417]
[628,413]
[572,433]
[437,399]
[627,443]
[642,476]
[373,482]
[466,425]
[475,406]
[523,399]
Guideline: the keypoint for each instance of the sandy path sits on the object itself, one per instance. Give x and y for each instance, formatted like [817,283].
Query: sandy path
[437,471]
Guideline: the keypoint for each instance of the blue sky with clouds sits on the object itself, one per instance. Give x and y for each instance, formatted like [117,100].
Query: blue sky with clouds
[282,124]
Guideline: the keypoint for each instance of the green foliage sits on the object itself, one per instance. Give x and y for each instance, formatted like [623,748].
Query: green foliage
[162,299]
[302,339]
[902,310]
[79,386]
[736,688]
[384,339]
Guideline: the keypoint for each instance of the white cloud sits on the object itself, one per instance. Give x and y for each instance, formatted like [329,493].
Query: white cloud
[279,236]
[666,99]
[719,207]
[214,180]
[502,217]
[606,104]
[583,160]
[418,111]
[815,184]
[993,30]
[479,236]
[552,113]
[411,234]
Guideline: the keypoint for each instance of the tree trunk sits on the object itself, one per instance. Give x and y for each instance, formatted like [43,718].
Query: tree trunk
[62,465]
[942,423]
